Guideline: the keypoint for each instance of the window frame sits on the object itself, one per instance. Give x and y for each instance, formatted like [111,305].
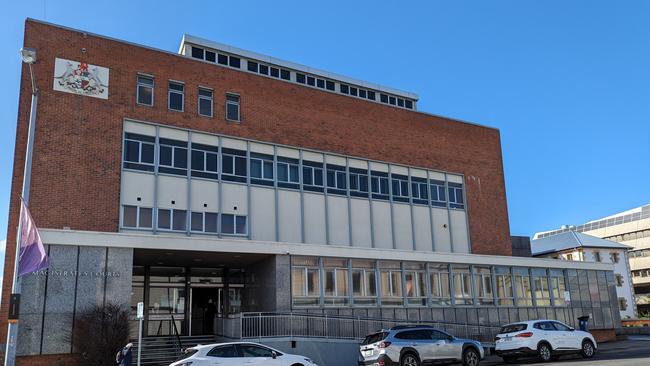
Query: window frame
[143,85]
[210,99]
[236,104]
[170,91]
[171,220]
[138,211]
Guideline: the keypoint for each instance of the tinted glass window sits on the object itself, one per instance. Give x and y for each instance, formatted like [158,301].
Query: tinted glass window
[374,338]
[275,72]
[255,351]
[510,328]
[197,52]
[223,351]
[264,69]
[223,59]
[560,326]
[300,78]
[252,66]
[210,56]
[285,74]
[544,326]
[235,62]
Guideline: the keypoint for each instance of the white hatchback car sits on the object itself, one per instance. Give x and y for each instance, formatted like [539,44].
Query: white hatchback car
[543,338]
[237,354]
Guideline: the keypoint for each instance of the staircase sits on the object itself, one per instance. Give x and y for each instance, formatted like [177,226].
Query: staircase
[161,351]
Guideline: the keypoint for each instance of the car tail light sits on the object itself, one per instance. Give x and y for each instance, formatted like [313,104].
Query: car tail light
[384,344]
[525,335]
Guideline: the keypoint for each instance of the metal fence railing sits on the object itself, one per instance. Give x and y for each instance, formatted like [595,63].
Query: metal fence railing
[274,325]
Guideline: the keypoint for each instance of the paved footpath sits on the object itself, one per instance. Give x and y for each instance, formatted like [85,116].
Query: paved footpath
[632,352]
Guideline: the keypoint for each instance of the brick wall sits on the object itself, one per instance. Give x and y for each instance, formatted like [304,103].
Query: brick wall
[76,167]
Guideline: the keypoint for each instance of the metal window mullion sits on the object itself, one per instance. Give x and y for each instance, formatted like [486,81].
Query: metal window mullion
[532,287]
[370,207]
[156,164]
[321,273]
[248,191]
[403,278]
[428,289]
[513,285]
[349,199]
[392,209]
[275,187]
[452,285]
[302,197]
[220,187]
[188,212]
[377,282]
[433,240]
[472,285]
[349,294]
[449,226]
[325,188]
[410,189]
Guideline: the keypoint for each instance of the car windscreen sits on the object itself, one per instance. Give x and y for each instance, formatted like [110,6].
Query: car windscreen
[375,337]
[510,328]
[187,353]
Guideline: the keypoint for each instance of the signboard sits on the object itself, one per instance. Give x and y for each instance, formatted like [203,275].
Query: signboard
[140,312]
[81,78]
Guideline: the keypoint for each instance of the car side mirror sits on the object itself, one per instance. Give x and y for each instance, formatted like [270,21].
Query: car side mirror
[450,338]
[571,329]
[275,355]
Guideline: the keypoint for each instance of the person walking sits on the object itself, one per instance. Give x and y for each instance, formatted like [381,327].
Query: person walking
[124,357]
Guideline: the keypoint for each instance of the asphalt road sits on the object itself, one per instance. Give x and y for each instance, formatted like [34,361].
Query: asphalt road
[622,353]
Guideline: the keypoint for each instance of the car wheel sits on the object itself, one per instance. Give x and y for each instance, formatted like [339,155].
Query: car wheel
[510,359]
[544,352]
[588,349]
[471,357]
[409,359]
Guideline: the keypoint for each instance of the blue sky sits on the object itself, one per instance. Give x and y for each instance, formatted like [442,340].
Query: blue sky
[566,82]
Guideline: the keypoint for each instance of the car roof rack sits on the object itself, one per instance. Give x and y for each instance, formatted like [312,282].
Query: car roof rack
[400,327]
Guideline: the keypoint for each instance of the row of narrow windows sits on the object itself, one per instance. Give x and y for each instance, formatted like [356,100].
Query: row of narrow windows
[210,162]
[176,98]
[137,217]
[300,78]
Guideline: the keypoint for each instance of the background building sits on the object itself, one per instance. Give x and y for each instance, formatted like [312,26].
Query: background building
[631,228]
[216,181]
[575,246]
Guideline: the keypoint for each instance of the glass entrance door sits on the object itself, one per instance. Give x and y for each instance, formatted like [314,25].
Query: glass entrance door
[207,305]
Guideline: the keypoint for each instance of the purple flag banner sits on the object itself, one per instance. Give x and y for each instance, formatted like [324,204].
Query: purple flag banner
[32,252]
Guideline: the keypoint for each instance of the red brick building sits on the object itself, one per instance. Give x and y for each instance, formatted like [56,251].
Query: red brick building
[218,166]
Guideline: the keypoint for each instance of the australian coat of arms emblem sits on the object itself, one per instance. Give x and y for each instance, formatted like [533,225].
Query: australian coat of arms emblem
[81,78]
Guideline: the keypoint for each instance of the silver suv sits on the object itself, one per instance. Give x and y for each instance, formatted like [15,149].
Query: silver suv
[417,345]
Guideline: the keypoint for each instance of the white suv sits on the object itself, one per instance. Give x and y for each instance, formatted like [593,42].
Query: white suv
[543,338]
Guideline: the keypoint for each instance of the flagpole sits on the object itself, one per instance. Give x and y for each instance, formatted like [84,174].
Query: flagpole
[29,57]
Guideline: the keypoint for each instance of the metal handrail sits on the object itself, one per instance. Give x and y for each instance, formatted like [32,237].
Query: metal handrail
[287,324]
[179,344]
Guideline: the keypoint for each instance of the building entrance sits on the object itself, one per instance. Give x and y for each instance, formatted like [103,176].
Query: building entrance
[207,305]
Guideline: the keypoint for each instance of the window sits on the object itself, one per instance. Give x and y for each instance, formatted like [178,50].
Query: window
[336,281]
[285,74]
[358,182]
[300,78]
[320,83]
[312,176]
[204,161]
[561,327]
[392,100]
[224,352]
[483,285]
[379,185]
[390,276]
[205,102]
[455,191]
[136,217]
[420,190]
[622,303]
[275,72]
[288,172]
[408,104]
[233,224]
[261,166]
[619,280]
[597,257]
[336,179]
[462,285]
[232,107]
[172,219]
[329,85]
[558,287]
[371,95]
[542,294]
[544,326]
[233,165]
[172,157]
[139,152]
[438,197]
[204,222]
[614,257]
[569,257]
[252,66]
[250,350]
[364,283]
[210,56]
[264,69]
[504,286]
[197,52]
[176,96]
[235,62]
[415,282]
[305,281]
[522,287]
[400,185]
[345,89]
[145,90]
[440,294]
[383,98]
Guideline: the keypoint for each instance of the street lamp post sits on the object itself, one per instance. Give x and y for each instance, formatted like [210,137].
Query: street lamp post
[28,56]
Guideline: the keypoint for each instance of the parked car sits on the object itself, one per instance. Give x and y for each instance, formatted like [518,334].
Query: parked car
[239,353]
[417,345]
[543,338]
